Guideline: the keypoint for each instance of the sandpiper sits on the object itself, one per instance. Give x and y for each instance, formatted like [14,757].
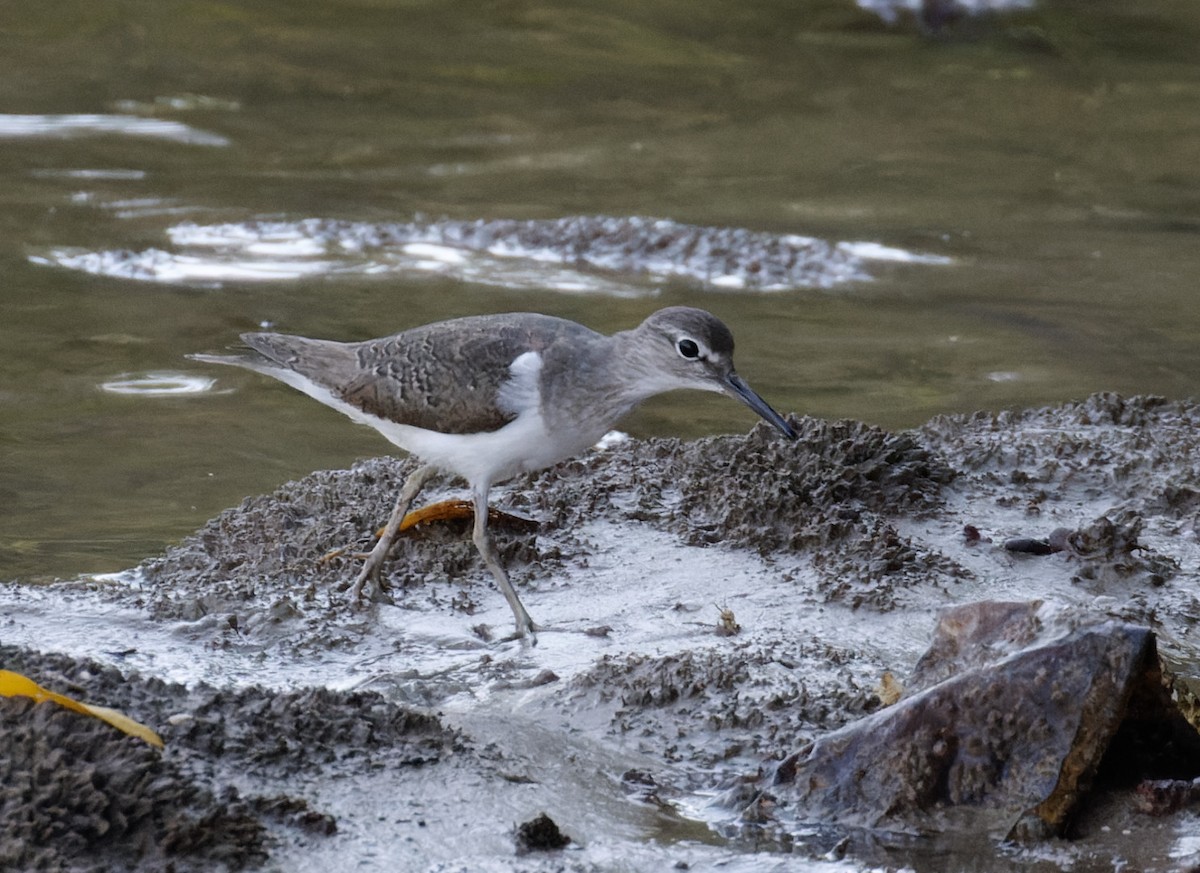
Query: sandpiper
[487,397]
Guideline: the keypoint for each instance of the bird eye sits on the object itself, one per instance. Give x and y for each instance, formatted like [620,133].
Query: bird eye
[688,348]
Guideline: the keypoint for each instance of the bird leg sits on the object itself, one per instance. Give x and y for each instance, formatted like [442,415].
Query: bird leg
[371,567]
[483,542]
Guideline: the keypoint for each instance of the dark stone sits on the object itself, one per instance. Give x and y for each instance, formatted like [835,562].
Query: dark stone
[1029,546]
[1008,745]
[975,635]
[540,834]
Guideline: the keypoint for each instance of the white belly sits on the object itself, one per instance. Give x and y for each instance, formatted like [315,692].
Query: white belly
[481,458]
[520,446]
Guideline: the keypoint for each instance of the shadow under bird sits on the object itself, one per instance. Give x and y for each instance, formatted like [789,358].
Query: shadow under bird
[488,397]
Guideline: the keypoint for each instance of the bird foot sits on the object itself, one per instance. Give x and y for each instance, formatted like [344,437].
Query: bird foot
[526,635]
[370,579]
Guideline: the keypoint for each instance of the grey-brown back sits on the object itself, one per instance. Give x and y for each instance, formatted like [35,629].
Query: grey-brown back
[443,376]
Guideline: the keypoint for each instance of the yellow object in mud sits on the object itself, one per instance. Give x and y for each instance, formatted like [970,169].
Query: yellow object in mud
[15,685]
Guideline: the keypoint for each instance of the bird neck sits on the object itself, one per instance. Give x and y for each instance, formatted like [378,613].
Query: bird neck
[598,383]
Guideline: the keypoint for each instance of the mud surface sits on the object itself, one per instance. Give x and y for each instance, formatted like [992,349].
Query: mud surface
[79,795]
[757,595]
[619,255]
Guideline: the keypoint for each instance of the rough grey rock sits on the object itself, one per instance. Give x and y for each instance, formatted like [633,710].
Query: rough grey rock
[1008,745]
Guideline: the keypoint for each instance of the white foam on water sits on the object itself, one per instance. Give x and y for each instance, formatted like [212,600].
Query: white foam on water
[63,126]
[891,10]
[113,174]
[873,251]
[155,265]
[436,253]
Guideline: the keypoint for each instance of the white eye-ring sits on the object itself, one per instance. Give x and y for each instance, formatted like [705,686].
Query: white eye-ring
[688,348]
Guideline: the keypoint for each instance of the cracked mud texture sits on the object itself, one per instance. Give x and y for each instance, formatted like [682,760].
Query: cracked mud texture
[849,540]
[735,705]
[832,492]
[76,794]
[1105,446]
[1138,455]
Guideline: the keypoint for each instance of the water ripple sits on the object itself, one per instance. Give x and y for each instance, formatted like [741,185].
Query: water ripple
[158,384]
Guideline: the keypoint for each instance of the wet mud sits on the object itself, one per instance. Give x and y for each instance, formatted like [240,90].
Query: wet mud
[79,795]
[712,608]
[621,255]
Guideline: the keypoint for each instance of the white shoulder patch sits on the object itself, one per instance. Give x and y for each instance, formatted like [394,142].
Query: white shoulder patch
[521,392]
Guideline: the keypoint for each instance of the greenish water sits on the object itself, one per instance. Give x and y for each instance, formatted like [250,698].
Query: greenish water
[1054,156]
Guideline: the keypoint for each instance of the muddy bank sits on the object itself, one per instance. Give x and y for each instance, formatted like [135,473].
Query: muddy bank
[758,595]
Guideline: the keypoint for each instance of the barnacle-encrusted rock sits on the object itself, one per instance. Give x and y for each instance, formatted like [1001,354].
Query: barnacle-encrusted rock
[1006,732]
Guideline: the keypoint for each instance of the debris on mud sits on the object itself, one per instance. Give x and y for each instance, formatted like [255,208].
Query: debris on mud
[1102,548]
[1165,796]
[540,834]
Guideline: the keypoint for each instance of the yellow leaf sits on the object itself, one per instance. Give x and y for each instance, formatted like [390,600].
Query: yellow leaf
[16,685]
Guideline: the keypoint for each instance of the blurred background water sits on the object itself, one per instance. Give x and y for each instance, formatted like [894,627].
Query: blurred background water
[1046,161]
